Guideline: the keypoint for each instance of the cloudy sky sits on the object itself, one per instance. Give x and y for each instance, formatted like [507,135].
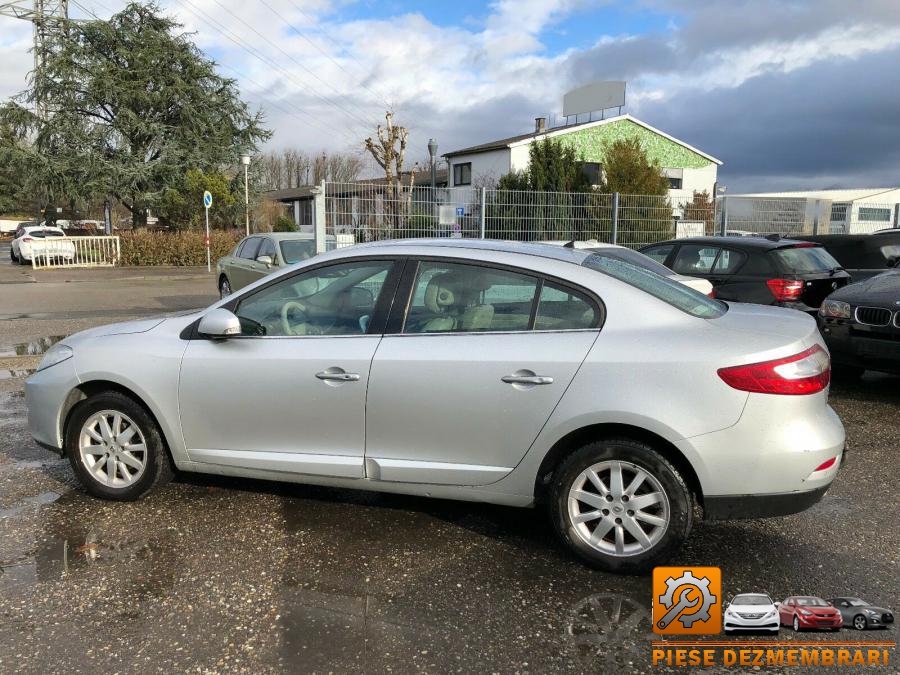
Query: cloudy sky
[791,94]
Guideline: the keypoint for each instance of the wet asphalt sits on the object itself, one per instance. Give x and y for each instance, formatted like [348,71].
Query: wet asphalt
[218,574]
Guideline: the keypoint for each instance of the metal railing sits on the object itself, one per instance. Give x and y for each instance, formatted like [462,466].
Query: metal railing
[50,252]
[373,210]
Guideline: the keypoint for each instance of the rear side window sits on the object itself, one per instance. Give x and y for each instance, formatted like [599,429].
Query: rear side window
[729,261]
[695,259]
[249,249]
[561,308]
[663,288]
[805,260]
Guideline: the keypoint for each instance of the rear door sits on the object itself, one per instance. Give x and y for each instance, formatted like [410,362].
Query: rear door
[478,359]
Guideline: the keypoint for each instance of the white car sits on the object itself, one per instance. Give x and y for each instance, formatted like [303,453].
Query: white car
[39,240]
[751,611]
[637,258]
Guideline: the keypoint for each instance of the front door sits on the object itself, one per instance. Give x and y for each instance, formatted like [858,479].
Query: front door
[483,358]
[289,393]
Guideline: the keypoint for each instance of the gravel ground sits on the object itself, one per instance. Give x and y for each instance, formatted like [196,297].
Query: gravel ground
[214,574]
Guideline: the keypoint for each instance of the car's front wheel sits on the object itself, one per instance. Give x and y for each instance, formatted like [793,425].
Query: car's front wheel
[116,448]
[796,625]
[859,622]
[620,506]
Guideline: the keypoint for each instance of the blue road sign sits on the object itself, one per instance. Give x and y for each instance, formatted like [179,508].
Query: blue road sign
[460,210]
[207,199]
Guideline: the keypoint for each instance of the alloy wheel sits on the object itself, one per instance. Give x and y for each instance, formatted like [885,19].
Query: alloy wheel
[618,508]
[796,625]
[859,623]
[224,288]
[112,448]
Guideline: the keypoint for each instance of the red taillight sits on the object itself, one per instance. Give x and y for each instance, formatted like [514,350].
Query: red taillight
[805,244]
[27,239]
[712,293]
[826,465]
[785,290]
[808,372]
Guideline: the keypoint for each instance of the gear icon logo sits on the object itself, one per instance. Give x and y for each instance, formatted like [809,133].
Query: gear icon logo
[687,600]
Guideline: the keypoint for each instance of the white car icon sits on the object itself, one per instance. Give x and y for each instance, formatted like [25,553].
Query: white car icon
[751,611]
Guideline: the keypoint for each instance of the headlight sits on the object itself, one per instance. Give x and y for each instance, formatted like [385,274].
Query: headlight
[835,309]
[56,354]
[770,614]
[805,612]
[871,611]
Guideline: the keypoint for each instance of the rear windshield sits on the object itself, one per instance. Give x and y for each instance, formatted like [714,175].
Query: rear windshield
[633,257]
[671,292]
[295,250]
[805,260]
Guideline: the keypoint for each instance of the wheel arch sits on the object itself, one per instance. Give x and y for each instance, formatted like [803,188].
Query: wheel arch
[580,437]
[86,390]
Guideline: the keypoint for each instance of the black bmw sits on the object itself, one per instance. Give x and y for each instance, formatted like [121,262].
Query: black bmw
[861,325]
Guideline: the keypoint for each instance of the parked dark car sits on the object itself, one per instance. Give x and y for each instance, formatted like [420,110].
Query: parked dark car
[861,615]
[861,325]
[763,270]
[862,255]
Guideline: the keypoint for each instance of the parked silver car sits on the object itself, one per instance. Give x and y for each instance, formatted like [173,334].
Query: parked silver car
[487,371]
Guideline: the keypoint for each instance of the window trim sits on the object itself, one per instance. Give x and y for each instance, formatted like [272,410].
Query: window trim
[460,165]
[383,306]
[404,294]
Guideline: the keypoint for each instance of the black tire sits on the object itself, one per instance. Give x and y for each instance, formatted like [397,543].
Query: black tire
[646,458]
[12,255]
[158,468]
[846,373]
[224,287]
[865,623]
[797,628]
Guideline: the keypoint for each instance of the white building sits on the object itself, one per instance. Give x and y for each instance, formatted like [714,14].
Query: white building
[688,169]
[852,211]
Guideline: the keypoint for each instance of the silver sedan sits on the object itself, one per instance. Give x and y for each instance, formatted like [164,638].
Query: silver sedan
[516,374]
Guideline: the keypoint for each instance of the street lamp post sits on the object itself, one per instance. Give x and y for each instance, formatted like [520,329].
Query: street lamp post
[432,151]
[245,160]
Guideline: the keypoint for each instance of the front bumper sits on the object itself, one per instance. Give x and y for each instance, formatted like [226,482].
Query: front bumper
[46,392]
[733,621]
[823,623]
[853,344]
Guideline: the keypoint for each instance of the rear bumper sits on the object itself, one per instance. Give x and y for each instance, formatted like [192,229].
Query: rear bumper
[737,507]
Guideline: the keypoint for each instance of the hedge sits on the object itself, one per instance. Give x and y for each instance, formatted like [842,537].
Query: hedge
[183,248]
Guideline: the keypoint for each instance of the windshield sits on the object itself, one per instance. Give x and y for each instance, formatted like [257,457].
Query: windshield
[856,602]
[295,250]
[633,257]
[671,292]
[811,602]
[805,260]
[751,600]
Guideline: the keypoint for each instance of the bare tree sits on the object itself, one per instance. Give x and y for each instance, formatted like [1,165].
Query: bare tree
[389,152]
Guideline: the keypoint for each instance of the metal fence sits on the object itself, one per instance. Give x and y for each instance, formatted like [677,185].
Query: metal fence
[75,252]
[372,210]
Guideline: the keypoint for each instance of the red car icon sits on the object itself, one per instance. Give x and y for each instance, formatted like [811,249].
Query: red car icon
[808,612]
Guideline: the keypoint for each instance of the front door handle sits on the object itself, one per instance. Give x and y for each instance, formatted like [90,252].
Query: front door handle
[337,375]
[526,379]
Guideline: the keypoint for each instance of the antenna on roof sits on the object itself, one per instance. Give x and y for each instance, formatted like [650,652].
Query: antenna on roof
[594,97]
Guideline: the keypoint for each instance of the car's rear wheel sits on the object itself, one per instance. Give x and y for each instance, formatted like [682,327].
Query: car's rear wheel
[859,622]
[116,448]
[12,255]
[224,287]
[620,506]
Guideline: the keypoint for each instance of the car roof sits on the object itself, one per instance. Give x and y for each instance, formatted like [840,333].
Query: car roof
[758,243]
[281,236]
[539,249]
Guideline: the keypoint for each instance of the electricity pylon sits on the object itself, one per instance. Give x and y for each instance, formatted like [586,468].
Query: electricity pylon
[45,16]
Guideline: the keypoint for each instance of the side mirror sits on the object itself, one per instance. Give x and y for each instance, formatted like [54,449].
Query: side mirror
[265,260]
[778,604]
[219,324]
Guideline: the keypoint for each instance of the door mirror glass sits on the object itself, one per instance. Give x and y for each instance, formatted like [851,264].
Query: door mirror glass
[264,260]
[219,324]
[778,604]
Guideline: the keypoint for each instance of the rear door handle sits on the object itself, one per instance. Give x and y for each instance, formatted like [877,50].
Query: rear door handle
[336,375]
[527,379]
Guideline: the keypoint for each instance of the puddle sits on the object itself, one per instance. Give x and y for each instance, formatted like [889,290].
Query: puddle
[31,348]
[13,374]
[36,500]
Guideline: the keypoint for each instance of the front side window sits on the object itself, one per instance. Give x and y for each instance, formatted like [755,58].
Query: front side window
[658,253]
[663,288]
[334,300]
[462,173]
[454,298]
[695,259]
[267,248]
